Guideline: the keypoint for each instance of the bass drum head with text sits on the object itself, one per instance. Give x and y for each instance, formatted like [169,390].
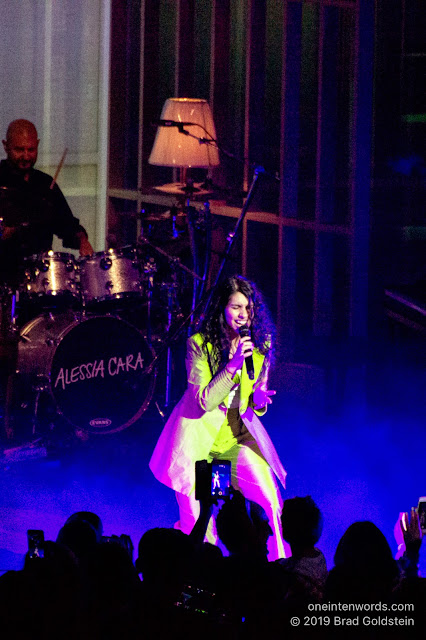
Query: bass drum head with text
[98,374]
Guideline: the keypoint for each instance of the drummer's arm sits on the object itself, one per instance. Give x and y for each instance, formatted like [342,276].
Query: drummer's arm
[85,247]
[66,226]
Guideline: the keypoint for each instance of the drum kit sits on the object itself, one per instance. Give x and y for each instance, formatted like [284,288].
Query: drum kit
[87,334]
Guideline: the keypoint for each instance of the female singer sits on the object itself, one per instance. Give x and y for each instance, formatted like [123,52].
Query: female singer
[217,417]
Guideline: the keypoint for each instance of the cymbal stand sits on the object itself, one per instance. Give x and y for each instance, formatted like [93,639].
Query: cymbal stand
[187,320]
[172,310]
[9,333]
[200,234]
[150,269]
[39,387]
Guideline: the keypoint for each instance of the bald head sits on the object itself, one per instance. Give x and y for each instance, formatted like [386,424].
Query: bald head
[21,145]
[20,127]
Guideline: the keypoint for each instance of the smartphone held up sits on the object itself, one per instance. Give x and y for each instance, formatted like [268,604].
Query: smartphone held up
[212,479]
[35,539]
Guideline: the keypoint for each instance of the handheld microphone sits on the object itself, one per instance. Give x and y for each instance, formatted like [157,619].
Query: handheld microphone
[245,331]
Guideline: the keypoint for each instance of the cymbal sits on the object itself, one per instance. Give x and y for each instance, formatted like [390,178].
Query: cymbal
[163,216]
[179,189]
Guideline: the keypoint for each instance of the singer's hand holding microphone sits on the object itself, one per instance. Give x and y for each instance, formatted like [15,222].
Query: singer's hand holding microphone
[261,394]
[247,349]
[243,352]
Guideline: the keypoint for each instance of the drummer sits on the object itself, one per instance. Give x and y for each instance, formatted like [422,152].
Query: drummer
[32,206]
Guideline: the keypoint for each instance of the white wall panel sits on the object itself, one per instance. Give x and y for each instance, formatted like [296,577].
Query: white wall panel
[54,71]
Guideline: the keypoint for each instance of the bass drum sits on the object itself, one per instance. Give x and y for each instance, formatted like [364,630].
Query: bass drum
[95,367]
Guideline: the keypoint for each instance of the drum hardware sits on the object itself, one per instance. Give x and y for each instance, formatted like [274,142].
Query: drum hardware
[40,386]
[7,311]
[150,269]
[173,310]
[172,307]
[173,220]
[172,259]
[174,213]
[105,263]
[43,267]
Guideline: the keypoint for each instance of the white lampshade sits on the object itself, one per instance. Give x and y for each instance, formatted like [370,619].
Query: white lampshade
[175,149]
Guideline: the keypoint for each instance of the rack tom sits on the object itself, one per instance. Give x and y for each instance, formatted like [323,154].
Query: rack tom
[50,274]
[111,275]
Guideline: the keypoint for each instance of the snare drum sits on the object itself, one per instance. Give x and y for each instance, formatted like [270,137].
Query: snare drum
[111,275]
[50,274]
[96,368]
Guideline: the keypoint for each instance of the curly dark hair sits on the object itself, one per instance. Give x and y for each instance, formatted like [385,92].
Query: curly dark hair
[213,327]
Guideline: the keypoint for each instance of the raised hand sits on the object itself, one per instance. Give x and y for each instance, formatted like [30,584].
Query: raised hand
[262,396]
[411,530]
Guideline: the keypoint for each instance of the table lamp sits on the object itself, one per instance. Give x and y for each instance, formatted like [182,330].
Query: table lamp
[177,142]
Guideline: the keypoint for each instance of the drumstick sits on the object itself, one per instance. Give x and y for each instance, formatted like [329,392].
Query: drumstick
[61,162]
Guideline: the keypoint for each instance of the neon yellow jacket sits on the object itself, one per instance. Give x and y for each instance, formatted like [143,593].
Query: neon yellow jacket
[191,430]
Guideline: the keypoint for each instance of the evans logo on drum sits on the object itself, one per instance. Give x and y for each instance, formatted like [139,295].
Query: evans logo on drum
[100,422]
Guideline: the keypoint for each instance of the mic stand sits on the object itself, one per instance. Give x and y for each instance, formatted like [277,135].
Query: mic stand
[258,172]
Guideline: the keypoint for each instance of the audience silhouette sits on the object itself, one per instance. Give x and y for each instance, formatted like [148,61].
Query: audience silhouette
[87,586]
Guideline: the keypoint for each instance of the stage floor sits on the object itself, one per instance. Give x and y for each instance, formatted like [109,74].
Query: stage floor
[356,464]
